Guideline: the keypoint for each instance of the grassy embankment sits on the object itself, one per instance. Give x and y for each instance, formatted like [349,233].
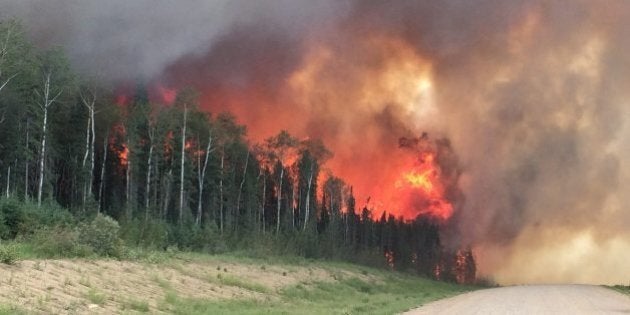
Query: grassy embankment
[190,283]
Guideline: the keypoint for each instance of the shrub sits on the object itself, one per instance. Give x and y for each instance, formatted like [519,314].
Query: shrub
[13,215]
[59,242]
[4,230]
[149,234]
[102,236]
[21,218]
[9,254]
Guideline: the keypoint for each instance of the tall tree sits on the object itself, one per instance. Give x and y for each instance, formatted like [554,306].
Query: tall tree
[228,134]
[281,147]
[88,94]
[185,101]
[55,77]
[201,124]
[313,154]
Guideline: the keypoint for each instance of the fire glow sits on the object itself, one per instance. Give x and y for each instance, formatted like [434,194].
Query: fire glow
[421,186]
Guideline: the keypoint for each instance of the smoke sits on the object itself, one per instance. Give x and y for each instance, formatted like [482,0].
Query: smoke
[532,94]
[129,40]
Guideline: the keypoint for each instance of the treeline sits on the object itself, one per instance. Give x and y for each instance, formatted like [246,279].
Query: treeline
[174,175]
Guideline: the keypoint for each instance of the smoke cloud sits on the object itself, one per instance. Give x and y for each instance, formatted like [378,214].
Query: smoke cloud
[534,96]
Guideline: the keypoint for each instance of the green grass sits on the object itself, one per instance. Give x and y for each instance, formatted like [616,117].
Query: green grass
[625,289]
[136,305]
[392,294]
[233,281]
[11,310]
[96,297]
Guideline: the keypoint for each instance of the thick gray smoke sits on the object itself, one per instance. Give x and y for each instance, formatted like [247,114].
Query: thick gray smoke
[129,40]
[534,95]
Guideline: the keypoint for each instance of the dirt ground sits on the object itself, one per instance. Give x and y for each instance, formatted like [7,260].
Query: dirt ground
[533,299]
[110,286]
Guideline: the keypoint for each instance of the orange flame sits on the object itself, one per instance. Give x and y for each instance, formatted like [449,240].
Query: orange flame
[423,189]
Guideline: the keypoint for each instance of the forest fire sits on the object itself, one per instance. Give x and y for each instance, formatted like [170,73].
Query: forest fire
[310,100]
[424,190]
[526,104]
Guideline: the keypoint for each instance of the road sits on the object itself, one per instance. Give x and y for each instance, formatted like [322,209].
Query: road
[532,299]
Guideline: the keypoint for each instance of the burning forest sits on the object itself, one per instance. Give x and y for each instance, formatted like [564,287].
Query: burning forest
[461,140]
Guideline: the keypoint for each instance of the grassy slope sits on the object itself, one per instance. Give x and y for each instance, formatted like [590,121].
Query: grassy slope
[343,288]
[386,293]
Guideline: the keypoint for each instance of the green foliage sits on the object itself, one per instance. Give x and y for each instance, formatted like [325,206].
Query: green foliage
[233,281]
[625,289]
[378,293]
[9,254]
[96,296]
[24,219]
[13,216]
[193,237]
[102,236]
[59,242]
[151,234]
[11,310]
[136,305]
[4,229]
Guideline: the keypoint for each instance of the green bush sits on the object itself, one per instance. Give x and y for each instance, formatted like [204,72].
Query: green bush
[102,236]
[19,218]
[151,234]
[195,238]
[59,242]
[13,216]
[4,230]
[9,254]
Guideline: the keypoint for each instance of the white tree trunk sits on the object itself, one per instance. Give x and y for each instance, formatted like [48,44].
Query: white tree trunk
[7,81]
[167,193]
[148,183]
[8,180]
[181,174]
[279,197]
[90,136]
[42,158]
[262,210]
[102,182]
[240,189]
[26,163]
[221,219]
[201,177]
[92,148]
[308,197]
[4,50]
[47,101]
[85,156]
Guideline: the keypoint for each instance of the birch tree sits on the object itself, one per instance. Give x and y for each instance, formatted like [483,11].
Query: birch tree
[55,77]
[201,175]
[88,99]
[313,154]
[185,101]
[281,147]
[181,165]
[228,134]
[10,39]
[147,194]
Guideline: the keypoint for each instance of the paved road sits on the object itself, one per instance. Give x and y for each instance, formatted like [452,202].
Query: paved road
[533,299]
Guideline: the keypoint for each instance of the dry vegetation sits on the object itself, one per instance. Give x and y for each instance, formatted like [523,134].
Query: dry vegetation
[201,284]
